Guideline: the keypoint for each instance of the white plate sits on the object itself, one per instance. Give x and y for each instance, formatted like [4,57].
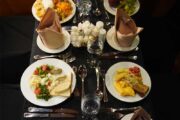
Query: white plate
[63,21]
[112,10]
[47,50]
[128,116]
[113,42]
[110,80]
[28,92]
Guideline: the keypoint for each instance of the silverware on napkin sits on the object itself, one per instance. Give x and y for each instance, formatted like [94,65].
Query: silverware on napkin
[49,110]
[55,115]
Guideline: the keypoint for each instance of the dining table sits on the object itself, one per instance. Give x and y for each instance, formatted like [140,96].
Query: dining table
[84,57]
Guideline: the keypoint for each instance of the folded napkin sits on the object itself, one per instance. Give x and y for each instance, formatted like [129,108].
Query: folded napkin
[50,30]
[141,114]
[125,29]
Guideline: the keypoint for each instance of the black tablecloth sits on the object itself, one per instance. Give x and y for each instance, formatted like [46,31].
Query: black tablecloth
[90,82]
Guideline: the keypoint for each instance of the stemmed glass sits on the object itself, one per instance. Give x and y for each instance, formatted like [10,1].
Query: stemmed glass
[84,7]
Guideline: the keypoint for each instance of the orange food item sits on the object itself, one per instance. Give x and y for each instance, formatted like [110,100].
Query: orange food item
[64,9]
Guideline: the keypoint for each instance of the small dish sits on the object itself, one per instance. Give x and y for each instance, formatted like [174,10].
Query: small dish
[113,42]
[47,50]
[112,10]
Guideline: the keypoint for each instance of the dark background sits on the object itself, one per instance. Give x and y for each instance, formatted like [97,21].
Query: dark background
[160,49]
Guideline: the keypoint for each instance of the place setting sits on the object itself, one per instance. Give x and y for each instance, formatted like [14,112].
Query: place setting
[48,82]
[52,38]
[123,36]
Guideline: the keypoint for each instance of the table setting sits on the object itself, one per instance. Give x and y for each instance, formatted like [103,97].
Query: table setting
[86,63]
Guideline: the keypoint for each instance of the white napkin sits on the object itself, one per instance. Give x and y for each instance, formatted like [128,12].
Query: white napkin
[50,30]
[125,29]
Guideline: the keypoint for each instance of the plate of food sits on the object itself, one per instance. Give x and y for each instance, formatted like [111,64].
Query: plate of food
[130,6]
[112,41]
[65,9]
[128,82]
[48,82]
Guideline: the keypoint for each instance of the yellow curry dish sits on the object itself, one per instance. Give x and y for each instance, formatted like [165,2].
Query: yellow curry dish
[128,82]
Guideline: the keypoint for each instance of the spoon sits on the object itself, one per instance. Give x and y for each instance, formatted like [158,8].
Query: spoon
[75,17]
[108,20]
[82,72]
[98,91]
[97,11]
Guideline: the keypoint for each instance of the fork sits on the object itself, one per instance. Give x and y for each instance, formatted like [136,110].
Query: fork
[62,56]
[112,110]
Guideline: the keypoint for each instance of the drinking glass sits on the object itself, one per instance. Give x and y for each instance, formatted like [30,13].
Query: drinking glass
[95,46]
[90,105]
[84,7]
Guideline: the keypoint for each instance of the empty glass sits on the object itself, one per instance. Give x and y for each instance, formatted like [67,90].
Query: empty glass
[90,105]
[95,47]
[84,7]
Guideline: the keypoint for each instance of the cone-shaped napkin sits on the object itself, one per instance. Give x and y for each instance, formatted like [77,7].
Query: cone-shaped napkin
[50,30]
[141,114]
[125,29]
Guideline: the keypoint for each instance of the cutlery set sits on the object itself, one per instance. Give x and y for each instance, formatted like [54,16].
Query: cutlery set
[47,112]
[67,57]
[72,113]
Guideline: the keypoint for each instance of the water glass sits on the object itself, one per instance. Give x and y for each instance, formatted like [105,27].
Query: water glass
[90,105]
[95,46]
[84,6]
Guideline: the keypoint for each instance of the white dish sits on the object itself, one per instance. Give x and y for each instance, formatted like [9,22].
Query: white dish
[63,21]
[113,42]
[110,80]
[112,10]
[28,92]
[128,116]
[47,50]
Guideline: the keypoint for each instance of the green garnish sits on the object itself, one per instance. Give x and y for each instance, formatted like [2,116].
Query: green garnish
[44,94]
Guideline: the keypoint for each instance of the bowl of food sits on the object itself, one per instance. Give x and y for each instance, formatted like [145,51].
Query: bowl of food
[65,9]
[129,6]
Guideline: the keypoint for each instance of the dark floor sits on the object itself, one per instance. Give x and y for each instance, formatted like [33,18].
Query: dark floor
[159,46]
[16,34]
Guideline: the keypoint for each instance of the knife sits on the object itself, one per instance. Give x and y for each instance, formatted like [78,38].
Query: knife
[55,115]
[131,109]
[110,54]
[48,110]
[134,57]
